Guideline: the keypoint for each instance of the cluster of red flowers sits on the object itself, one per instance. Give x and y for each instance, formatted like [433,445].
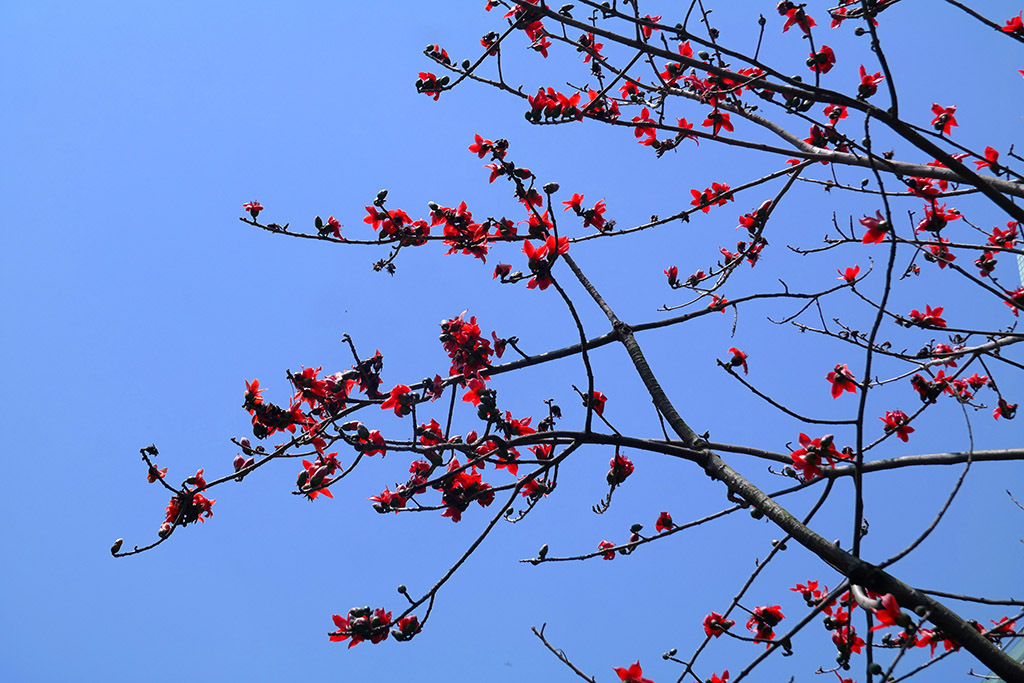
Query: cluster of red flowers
[717,194]
[814,453]
[361,624]
[542,258]
[469,352]
[763,621]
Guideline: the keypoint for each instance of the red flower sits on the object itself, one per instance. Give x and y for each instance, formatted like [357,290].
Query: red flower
[738,358]
[850,274]
[646,25]
[877,228]
[428,84]
[724,679]
[868,83]
[253,208]
[597,401]
[944,119]
[763,622]
[835,113]
[396,400]
[842,380]
[1005,409]
[481,147]
[809,458]
[889,614]
[664,522]
[155,474]
[800,18]
[604,545]
[634,674]
[715,625]
[360,625]
[621,468]
[718,303]
[991,157]
[822,61]
[1014,25]
[930,317]
[673,275]
[1016,300]
[896,421]
[718,120]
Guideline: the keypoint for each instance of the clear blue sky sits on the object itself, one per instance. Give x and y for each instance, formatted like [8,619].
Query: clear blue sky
[135,303]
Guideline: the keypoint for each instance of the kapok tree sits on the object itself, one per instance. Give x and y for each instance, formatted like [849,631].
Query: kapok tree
[678,85]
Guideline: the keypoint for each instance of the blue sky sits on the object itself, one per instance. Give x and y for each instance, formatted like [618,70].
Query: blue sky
[136,303]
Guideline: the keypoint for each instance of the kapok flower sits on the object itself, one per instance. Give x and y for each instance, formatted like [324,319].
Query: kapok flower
[800,18]
[664,522]
[930,317]
[397,400]
[809,458]
[842,380]
[990,160]
[724,679]
[253,208]
[850,274]
[715,625]
[1014,25]
[1005,409]
[877,228]
[597,401]
[1016,301]
[944,119]
[360,625]
[718,120]
[621,468]
[889,614]
[896,421]
[823,60]
[634,674]
[868,83]
[763,622]
[738,359]
[604,545]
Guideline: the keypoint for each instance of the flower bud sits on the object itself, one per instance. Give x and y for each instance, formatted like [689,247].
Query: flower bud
[116,548]
[551,188]
[239,462]
[246,445]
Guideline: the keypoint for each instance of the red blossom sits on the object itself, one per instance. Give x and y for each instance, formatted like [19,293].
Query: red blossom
[850,274]
[1014,26]
[990,160]
[842,380]
[634,674]
[800,18]
[763,622]
[715,625]
[738,359]
[664,522]
[647,25]
[253,208]
[944,118]
[868,83]
[1004,409]
[808,460]
[877,228]
[896,421]
[621,468]
[930,317]
[397,400]
[597,401]
[822,61]
[361,625]
[605,545]
[718,120]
